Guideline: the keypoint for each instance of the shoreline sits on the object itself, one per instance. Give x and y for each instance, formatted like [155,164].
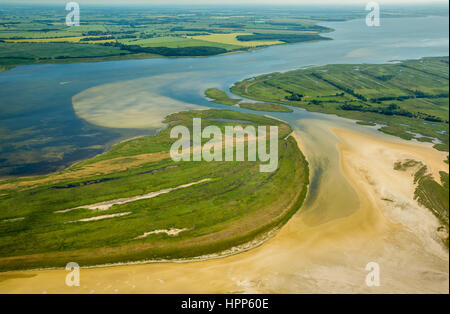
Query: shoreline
[260,237]
[130,57]
[393,240]
[145,56]
[236,250]
[368,164]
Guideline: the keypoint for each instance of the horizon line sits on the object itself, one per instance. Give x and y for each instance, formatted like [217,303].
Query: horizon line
[320,3]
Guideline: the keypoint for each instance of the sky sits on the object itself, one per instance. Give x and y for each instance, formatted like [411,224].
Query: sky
[230,2]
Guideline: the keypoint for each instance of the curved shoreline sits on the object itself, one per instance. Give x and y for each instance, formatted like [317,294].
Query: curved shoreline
[339,243]
[257,242]
[245,242]
[296,244]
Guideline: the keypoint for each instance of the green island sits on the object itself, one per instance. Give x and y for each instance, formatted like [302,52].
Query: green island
[220,97]
[408,99]
[40,35]
[192,211]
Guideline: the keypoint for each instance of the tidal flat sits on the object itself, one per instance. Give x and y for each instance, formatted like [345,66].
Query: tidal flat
[325,246]
[137,188]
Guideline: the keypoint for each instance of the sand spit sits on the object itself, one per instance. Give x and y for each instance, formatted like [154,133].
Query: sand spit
[107,205]
[171,232]
[299,142]
[97,218]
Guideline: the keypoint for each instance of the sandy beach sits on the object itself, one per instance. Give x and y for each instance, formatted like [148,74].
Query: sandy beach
[387,227]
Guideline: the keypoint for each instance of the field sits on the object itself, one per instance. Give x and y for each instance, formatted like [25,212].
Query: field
[198,207]
[157,31]
[264,106]
[12,54]
[175,42]
[409,99]
[139,33]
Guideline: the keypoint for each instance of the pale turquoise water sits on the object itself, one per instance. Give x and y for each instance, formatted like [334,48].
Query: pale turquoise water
[41,133]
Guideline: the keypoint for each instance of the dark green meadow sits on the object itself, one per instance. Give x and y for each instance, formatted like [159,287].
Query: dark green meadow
[13,54]
[429,193]
[236,205]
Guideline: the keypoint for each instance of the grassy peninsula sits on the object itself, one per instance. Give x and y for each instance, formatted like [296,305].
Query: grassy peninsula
[206,207]
[408,99]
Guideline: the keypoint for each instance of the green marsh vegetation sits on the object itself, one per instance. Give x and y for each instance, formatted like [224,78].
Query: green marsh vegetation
[12,54]
[429,193]
[264,106]
[238,203]
[220,97]
[409,99]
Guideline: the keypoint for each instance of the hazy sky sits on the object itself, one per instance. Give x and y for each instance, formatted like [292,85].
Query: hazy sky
[273,2]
